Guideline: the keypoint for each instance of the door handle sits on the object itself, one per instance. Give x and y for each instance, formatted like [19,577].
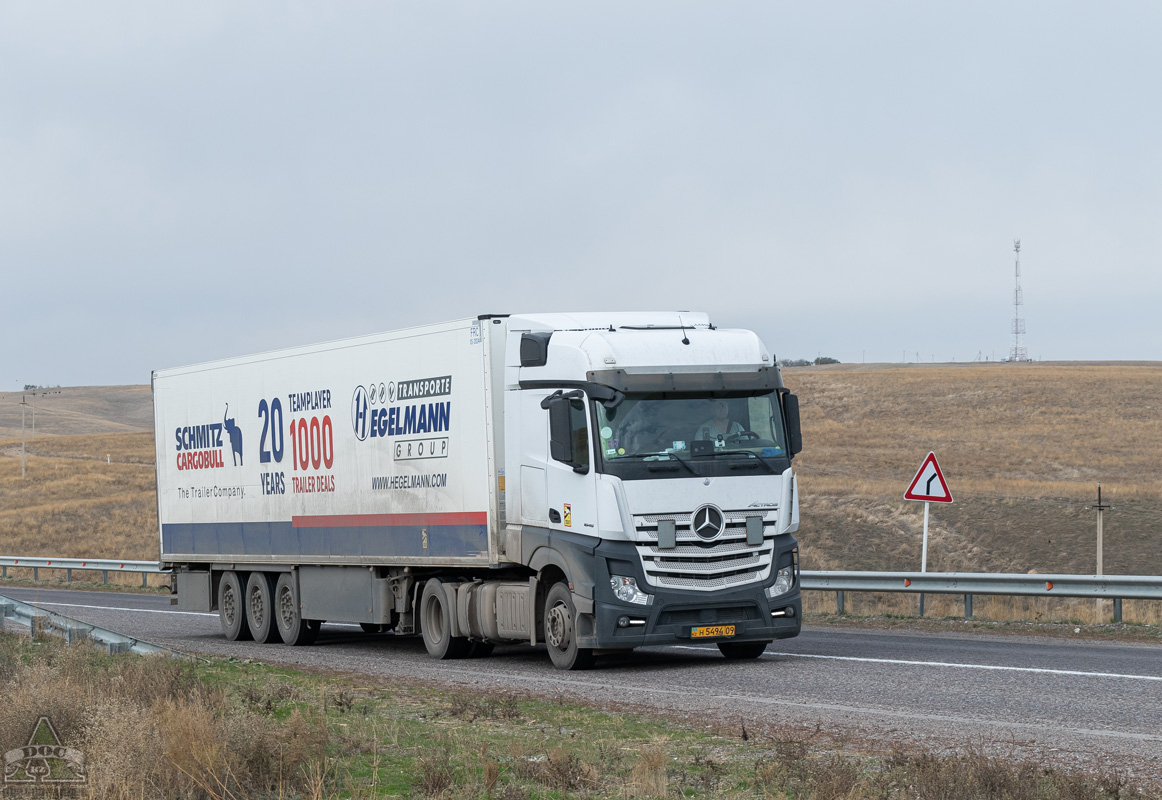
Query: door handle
[554,515]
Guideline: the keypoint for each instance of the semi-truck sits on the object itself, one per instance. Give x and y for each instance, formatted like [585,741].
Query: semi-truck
[590,482]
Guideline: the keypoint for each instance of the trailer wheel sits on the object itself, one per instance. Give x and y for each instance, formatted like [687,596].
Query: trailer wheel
[232,608]
[436,624]
[293,629]
[260,606]
[561,631]
[737,651]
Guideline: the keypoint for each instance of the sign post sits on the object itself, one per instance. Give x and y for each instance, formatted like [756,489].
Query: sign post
[928,486]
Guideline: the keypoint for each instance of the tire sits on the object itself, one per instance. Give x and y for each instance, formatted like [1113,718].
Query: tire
[737,651]
[293,629]
[560,631]
[232,608]
[374,627]
[260,607]
[436,624]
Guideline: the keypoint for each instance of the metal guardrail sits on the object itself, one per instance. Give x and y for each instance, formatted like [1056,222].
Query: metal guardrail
[102,565]
[42,621]
[1115,587]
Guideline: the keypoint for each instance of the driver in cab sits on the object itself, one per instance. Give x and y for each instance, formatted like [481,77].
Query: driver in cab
[719,426]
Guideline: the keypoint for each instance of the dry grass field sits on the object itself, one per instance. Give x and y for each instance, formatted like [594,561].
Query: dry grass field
[73,503]
[1022,446]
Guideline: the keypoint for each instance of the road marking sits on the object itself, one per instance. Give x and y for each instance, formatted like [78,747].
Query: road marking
[998,667]
[1048,730]
[114,608]
[164,611]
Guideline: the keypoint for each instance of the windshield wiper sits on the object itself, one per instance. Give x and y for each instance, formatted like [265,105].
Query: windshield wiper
[682,461]
[766,463]
[661,456]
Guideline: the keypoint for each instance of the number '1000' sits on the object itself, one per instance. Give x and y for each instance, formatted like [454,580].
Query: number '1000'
[312,443]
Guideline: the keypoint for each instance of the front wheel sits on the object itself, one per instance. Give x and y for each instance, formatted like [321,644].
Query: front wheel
[561,631]
[737,651]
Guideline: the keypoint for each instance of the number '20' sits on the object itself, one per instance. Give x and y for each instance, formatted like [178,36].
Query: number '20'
[271,416]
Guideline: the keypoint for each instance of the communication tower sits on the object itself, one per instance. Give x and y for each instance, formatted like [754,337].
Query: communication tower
[1018,352]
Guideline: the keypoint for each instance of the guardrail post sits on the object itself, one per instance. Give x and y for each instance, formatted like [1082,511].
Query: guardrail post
[4,572]
[104,576]
[35,574]
[6,611]
[921,604]
[68,575]
[144,579]
[1117,609]
[839,604]
[968,606]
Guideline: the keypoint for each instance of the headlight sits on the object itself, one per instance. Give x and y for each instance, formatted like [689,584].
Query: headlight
[783,582]
[626,590]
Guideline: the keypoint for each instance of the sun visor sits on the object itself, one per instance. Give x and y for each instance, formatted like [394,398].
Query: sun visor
[763,378]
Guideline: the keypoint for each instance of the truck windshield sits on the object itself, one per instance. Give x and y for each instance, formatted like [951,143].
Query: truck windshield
[671,434]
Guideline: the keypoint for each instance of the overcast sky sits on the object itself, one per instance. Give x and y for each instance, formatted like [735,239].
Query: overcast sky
[180,184]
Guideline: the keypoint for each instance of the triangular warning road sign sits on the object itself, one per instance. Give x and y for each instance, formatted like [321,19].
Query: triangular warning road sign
[929,484]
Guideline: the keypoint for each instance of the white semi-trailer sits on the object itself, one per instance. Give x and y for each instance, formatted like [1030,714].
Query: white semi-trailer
[594,482]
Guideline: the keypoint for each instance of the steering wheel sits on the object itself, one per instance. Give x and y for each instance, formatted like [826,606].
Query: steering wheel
[734,437]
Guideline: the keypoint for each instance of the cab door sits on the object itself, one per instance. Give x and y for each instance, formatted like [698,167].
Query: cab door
[570,480]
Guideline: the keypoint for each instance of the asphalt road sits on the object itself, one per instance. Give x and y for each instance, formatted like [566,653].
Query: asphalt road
[1085,704]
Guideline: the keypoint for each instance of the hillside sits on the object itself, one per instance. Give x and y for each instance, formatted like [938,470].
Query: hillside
[77,410]
[1022,446]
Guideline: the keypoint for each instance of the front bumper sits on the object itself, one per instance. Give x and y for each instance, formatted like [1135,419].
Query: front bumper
[672,614]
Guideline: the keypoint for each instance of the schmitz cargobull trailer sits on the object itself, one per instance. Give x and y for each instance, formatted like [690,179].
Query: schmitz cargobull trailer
[594,482]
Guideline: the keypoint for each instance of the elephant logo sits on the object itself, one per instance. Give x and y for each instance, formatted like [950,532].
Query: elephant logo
[235,436]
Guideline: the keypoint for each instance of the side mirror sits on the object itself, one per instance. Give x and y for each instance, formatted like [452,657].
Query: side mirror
[791,417]
[560,430]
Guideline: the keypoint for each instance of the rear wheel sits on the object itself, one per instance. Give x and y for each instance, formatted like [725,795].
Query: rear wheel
[436,624]
[736,651]
[260,607]
[293,629]
[232,608]
[561,631]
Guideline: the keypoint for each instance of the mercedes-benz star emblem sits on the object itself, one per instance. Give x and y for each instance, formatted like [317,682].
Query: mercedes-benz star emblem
[707,522]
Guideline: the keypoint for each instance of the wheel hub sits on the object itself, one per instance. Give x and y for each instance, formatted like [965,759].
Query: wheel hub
[286,608]
[256,609]
[560,627]
[228,609]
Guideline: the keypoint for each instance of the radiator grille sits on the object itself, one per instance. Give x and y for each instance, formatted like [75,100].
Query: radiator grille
[696,564]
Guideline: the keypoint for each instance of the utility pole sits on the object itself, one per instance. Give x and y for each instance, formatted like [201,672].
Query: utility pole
[23,403]
[1099,508]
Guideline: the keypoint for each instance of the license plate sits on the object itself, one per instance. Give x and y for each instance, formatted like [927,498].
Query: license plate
[711,631]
